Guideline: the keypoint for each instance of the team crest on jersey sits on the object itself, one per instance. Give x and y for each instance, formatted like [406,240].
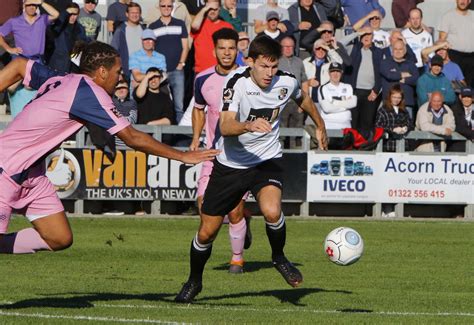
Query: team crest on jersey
[227,95]
[283,93]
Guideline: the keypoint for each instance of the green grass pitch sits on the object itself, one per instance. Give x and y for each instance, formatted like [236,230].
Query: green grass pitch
[129,270]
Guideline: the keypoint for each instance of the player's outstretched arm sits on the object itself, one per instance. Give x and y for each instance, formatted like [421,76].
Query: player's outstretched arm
[198,120]
[308,106]
[13,72]
[144,142]
[229,126]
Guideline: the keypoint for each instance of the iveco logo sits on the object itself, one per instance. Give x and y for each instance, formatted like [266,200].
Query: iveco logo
[253,93]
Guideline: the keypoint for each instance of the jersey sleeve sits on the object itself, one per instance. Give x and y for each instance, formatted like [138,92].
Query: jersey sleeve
[36,74]
[296,95]
[92,104]
[199,100]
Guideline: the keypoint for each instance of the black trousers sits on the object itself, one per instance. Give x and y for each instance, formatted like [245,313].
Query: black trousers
[466,62]
[363,115]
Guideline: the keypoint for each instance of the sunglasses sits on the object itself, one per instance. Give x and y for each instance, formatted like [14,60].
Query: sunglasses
[326,31]
[121,87]
[375,18]
[32,5]
[166,6]
[320,49]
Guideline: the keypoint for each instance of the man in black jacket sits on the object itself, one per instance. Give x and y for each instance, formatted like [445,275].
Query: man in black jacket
[463,111]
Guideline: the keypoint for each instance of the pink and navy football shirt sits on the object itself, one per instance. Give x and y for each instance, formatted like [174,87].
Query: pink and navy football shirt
[61,107]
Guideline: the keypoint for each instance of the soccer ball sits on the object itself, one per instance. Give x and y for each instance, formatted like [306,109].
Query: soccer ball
[343,246]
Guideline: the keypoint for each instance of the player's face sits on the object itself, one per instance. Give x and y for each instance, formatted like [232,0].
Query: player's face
[263,70]
[112,77]
[226,52]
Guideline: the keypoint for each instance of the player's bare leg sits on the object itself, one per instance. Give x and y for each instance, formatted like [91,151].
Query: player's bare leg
[269,201]
[201,248]
[51,233]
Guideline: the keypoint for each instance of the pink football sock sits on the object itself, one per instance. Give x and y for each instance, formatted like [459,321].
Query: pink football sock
[237,239]
[26,241]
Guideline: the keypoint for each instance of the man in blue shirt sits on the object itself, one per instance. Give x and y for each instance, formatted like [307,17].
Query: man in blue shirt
[357,9]
[172,42]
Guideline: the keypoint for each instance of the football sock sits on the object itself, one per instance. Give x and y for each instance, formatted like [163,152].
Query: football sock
[199,255]
[276,233]
[237,238]
[25,241]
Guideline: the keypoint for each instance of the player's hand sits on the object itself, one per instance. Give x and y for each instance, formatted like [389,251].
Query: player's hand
[259,125]
[195,157]
[194,145]
[322,138]
[15,50]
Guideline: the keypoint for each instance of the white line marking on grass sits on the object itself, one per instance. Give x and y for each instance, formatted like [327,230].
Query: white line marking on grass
[88,318]
[314,311]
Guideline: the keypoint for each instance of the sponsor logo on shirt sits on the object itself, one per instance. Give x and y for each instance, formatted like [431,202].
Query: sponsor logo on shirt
[269,114]
[253,93]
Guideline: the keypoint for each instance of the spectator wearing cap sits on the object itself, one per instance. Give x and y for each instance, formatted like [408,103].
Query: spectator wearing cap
[205,23]
[451,70]
[90,19]
[172,41]
[336,99]
[127,37]
[357,9]
[374,19]
[364,77]
[305,15]
[243,47]
[67,32]
[292,116]
[146,57]
[435,80]
[260,16]
[317,66]
[326,32]
[271,29]
[457,27]
[29,30]
[397,69]
[116,15]
[463,111]
[229,14]
[436,117]
[154,106]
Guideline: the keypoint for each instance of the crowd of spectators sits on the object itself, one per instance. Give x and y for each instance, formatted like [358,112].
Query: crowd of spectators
[398,79]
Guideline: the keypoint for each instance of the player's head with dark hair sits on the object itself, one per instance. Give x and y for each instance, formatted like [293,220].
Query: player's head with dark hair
[264,53]
[225,34]
[225,48]
[101,62]
[266,47]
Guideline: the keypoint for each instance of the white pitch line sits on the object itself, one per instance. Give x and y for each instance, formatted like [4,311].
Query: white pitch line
[87,318]
[314,311]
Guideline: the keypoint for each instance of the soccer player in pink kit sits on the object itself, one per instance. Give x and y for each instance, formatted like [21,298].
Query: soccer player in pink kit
[208,87]
[62,106]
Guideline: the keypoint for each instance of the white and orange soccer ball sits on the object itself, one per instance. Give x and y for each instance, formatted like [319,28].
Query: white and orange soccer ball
[343,246]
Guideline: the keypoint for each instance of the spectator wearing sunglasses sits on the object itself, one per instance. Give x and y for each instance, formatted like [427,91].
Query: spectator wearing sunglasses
[381,38]
[90,19]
